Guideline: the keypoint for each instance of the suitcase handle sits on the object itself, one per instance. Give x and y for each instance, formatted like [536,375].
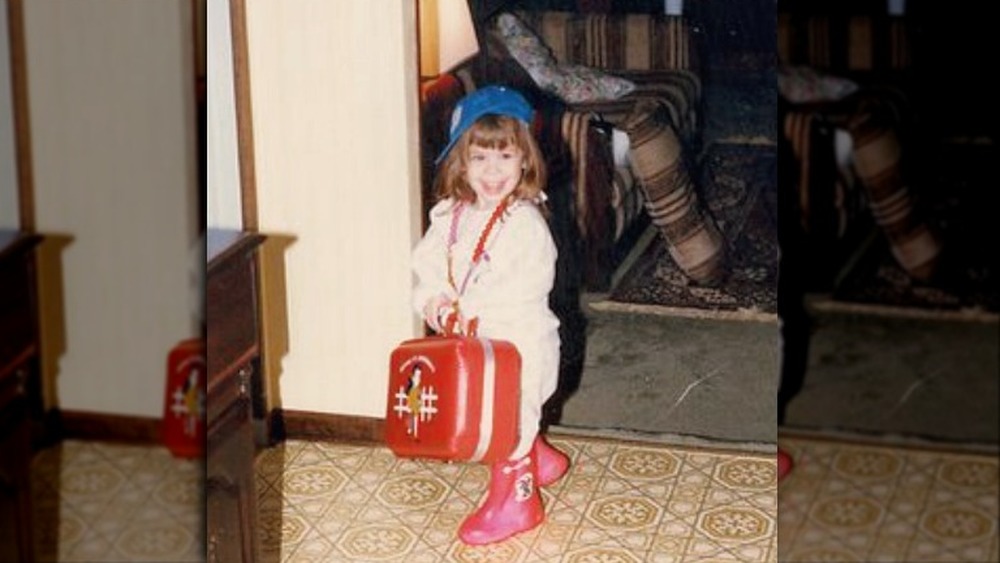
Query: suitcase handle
[451,321]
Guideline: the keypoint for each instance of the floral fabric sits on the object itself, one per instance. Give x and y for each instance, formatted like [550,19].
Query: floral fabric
[803,84]
[572,83]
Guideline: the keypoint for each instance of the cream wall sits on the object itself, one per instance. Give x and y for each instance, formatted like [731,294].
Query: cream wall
[111,95]
[334,95]
[224,208]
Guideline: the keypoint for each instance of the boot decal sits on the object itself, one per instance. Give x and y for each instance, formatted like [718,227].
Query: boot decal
[525,484]
[524,487]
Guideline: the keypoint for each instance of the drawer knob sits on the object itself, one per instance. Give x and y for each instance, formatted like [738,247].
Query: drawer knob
[244,379]
[22,379]
[213,549]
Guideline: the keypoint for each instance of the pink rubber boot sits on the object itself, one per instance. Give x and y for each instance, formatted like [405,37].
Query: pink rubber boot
[785,464]
[513,504]
[552,463]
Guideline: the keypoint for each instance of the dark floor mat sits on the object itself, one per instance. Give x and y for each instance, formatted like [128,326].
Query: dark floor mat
[962,208]
[738,187]
[740,103]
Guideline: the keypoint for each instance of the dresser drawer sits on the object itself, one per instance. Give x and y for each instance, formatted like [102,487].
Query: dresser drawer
[14,390]
[17,300]
[231,309]
[230,390]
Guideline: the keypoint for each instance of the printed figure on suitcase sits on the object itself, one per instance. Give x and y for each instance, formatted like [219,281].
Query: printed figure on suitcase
[484,270]
[454,397]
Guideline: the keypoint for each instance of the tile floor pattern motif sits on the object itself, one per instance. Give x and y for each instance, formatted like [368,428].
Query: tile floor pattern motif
[620,502]
[98,501]
[865,502]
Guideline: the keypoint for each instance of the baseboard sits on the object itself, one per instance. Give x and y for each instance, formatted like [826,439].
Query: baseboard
[329,427]
[281,425]
[106,427]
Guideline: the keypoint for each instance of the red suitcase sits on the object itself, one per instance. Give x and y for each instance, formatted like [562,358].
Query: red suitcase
[183,428]
[454,398]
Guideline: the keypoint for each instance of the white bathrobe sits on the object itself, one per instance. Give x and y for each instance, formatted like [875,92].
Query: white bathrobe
[508,291]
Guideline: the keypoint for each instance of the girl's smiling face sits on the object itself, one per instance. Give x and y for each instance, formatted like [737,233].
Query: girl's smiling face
[493,173]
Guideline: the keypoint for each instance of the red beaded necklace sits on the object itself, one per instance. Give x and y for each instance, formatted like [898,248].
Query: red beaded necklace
[480,249]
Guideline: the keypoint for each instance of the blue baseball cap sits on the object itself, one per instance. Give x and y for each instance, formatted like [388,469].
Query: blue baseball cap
[497,100]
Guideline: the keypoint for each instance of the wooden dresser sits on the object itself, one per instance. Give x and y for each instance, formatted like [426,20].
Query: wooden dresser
[20,391]
[233,329]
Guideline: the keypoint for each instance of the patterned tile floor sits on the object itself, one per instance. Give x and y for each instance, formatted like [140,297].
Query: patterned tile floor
[620,502]
[99,501]
[874,502]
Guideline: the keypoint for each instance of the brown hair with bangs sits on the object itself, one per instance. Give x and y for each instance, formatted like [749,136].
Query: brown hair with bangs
[494,132]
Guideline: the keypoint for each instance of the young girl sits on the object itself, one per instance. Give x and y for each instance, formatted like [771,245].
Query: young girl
[488,255]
